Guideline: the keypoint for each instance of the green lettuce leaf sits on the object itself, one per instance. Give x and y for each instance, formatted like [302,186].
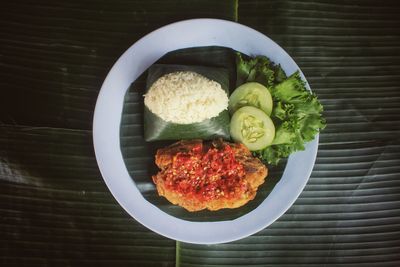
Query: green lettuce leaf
[297,113]
[258,69]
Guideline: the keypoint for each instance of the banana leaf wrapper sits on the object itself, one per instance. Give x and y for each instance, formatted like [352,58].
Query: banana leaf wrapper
[156,129]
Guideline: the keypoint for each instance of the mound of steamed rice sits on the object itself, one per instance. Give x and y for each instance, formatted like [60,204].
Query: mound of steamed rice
[185,97]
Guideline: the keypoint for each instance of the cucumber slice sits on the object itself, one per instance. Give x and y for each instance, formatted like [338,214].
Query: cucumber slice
[252,127]
[251,94]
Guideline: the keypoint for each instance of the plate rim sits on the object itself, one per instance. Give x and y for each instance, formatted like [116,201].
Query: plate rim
[104,162]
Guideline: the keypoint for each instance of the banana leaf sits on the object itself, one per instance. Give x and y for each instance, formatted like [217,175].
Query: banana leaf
[211,56]
[155,128]
[55,209]
[349,212]
[65,57]
[133,143]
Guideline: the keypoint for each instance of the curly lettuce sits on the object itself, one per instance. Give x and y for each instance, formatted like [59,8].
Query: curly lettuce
[297,113]
[258,69]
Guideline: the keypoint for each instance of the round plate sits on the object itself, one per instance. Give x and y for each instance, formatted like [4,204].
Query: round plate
[107,119]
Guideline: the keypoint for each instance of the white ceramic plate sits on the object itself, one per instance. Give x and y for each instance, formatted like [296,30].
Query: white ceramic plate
[107,119]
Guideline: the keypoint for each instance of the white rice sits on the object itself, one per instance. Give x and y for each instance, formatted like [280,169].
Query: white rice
[186,97]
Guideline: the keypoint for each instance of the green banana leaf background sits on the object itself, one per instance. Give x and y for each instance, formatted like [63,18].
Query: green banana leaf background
[55,209]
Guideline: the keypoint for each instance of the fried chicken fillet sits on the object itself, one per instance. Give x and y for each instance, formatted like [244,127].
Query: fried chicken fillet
[214,174]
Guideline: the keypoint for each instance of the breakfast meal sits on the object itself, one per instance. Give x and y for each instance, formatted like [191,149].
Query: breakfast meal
[209,175]
[224,137]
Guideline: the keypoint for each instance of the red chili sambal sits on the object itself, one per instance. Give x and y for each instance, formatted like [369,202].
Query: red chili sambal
[206,173]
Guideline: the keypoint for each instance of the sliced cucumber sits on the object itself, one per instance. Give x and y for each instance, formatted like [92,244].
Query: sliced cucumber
[252,127]
[251,94]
